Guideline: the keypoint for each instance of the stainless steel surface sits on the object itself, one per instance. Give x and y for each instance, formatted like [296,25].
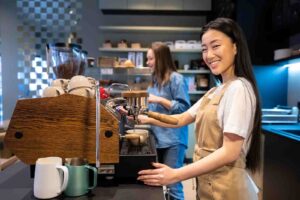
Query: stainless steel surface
[98,117]
[280,115]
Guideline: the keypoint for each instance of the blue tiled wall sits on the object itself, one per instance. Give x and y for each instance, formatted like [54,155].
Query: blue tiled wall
[272,83]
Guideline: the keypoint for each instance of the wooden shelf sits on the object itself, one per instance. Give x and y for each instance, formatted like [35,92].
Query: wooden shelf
[145,50]
[123,49]
[151,28]
[132,71]
[200,71]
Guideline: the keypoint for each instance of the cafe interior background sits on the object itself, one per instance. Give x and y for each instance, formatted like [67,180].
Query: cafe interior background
[26,26]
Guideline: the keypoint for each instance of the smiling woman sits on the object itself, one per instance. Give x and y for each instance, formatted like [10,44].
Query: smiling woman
[227,122]
[218,52]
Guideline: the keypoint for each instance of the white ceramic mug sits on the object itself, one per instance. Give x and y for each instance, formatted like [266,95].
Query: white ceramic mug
[63,83]
[85,92]
[52,91]
[186,67]
[79,82]
[92,81]
[50,178]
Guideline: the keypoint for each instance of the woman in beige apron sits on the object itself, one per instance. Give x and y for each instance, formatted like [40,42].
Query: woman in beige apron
[227,122]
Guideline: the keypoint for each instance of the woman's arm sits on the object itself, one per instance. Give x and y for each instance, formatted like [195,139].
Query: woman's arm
[160,100]
[164,175]
[174,97]
[183,119]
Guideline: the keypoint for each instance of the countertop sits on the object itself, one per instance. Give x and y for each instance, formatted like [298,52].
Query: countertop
[16,184]
[291,131]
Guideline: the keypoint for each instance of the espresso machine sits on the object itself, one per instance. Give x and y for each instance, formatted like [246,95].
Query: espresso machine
[65,126]
[133,158]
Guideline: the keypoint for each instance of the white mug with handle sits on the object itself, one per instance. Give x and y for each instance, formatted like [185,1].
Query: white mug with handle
[50,178]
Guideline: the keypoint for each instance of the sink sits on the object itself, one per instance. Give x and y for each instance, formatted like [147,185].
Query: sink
[295,132]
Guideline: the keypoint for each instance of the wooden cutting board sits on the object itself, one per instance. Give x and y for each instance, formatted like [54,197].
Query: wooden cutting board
[63,126]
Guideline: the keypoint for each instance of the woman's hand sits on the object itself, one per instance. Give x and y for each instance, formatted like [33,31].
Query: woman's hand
[161,175]
[144,119]
[160,100]
[154,99]
[122,110]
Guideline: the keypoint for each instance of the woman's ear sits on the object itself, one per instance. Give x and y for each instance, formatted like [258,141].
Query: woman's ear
[234,49]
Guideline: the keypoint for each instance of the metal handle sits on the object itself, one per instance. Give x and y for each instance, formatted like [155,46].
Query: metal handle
[98,125]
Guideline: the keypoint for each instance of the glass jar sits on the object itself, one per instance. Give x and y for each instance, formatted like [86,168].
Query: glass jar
[83,62]
[63,59]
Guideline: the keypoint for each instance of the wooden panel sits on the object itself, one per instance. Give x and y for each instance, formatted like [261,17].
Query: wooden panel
[141,4]
[113,4]
[61,126]
[201,5]
[169,5]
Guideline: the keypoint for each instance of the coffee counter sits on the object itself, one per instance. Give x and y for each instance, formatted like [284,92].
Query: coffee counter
[281,169]
[16,184]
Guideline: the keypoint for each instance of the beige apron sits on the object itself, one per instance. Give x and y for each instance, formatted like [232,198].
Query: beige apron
[229,182]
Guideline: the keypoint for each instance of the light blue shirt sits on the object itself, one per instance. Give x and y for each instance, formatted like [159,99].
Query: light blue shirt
[176,90]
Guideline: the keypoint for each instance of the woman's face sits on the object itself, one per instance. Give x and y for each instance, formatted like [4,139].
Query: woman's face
[151,59]
[218,52]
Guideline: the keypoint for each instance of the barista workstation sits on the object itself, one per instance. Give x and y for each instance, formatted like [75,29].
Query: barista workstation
[87,126]
[16,184]
[73,126]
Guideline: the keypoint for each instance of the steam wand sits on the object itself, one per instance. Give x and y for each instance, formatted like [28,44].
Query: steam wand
[98,125]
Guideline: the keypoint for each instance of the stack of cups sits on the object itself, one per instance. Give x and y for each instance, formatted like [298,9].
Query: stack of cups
[82,86]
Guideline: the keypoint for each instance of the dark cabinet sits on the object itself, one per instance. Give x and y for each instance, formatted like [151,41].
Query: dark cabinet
[268,25]
[281,176]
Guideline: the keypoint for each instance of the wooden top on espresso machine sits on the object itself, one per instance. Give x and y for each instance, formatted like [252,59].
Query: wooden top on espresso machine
[135,93]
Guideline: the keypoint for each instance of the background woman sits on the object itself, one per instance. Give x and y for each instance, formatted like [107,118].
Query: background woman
[227,121]
[168,94]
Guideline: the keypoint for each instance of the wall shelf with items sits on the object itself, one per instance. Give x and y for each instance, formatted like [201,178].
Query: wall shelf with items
[183,41]
[146,49]
[135,77]
[132,71]
[154,6]
[198,81]
[151,28]
[145,35]
[123,50]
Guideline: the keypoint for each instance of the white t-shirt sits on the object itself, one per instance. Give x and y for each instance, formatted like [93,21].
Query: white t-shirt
[236,109]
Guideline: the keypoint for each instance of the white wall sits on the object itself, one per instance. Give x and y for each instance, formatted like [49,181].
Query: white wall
[8,22]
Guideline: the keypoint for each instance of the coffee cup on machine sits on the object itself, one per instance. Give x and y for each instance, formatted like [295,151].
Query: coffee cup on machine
[53,91]
[85,92]
[63,83]
[81,85]
[79,82]
[137,136]
[78,183]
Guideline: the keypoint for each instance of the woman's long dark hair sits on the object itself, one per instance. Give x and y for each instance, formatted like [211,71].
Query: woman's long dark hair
[164,64]
[243,68]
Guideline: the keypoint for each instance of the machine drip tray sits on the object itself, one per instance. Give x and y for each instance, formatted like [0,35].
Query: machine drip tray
[135,158]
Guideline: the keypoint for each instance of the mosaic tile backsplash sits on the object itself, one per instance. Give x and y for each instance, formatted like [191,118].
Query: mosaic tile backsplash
[42,22]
